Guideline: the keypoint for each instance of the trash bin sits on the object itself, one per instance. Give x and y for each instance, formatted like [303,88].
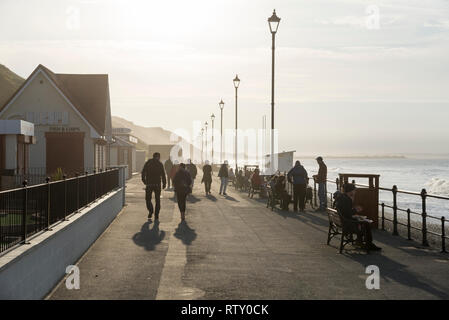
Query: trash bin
[367,195]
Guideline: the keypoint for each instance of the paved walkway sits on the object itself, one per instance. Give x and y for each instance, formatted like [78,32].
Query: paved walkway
[234,248]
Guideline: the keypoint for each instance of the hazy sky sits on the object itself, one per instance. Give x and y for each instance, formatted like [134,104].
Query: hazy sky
[344,83]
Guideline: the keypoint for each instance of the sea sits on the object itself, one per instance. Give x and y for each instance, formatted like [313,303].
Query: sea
[407,173]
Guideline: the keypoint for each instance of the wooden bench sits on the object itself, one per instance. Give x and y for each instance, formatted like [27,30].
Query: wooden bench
[337,227]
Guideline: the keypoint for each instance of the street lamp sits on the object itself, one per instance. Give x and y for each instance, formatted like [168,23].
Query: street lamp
[221,104]
[236,86]
[212,118]
[205,124]
[273,22]
[202,145]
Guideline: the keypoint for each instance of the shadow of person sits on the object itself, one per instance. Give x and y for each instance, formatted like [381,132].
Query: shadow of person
[211,197]
[192,199]
[231,198]
[149,238]
[184,233]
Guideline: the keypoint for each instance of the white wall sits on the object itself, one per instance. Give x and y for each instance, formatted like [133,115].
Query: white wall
[32,271]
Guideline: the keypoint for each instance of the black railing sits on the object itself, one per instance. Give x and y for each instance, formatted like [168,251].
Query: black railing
[402,217]
[26,211]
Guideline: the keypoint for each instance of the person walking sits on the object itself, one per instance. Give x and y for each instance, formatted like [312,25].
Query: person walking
[152,174]
[182,182]
[223,174]
[298,176]
[191,168]
[207,177]
[321,180]
[168,165]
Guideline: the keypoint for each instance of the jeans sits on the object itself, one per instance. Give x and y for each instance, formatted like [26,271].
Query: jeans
[223,185]
[299,196]
[322,195]
[157,195]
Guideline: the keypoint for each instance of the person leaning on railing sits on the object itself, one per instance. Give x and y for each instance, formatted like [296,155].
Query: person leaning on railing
[352,221]
[321,180]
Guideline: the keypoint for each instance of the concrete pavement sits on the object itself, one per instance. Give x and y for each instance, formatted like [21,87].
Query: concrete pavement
[234,248]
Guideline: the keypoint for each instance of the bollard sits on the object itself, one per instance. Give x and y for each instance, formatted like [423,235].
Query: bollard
[424,218]
[395,210]
[408,225]
[383,216]
[25,212]
[443,236]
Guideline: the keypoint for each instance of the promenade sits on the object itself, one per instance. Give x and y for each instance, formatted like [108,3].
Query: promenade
[235,248]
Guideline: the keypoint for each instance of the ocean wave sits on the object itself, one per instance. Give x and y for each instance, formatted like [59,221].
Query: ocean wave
[438,186]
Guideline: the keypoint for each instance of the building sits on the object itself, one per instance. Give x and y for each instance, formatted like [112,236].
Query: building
[15,138]
[122,151]
[72,120]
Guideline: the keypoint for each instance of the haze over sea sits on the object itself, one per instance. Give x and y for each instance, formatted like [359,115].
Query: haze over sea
[411,173]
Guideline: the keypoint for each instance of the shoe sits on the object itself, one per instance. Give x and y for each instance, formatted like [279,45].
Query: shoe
[225,194]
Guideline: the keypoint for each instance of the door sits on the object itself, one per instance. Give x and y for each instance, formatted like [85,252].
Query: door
[65,150]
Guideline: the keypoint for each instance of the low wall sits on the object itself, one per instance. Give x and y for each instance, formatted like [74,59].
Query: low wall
[32,270]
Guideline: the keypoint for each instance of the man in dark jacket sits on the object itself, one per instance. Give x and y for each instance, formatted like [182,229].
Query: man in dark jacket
[181,183]
[298,176]
[152,174]
[321,180]
[344,205]
[223,174]
[168,165]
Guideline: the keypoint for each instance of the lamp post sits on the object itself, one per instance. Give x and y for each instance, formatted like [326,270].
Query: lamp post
[236,86]
[273,22]
[221,104]
[205,124]
[212,117]
[202,145]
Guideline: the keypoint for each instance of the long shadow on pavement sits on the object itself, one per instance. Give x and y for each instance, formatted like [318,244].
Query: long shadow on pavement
[391,270]
[185,233]
[149,238]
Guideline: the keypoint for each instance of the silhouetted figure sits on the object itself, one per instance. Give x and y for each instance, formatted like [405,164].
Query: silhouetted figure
[207,177]
[168,166]
[223,174]
[191,168]
[298,176]
[182,182]
[344,205]
[281,192]
[321,180]
[152,174]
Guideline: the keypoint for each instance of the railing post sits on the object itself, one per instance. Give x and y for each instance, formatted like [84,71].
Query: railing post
[443,236]
[383,216]
[395,210]
[64,177]
[87,189]
[25,212]
[77,192]
[424,218]
[47,181]
[95,185]
[408,225]
[314,192]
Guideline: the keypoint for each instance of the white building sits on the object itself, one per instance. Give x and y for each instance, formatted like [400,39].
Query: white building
[71,116]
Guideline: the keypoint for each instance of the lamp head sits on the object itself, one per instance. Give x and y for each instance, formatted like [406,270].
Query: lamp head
[273,22]
[236,81]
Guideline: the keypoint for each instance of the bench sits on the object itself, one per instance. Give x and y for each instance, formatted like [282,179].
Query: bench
[338,227]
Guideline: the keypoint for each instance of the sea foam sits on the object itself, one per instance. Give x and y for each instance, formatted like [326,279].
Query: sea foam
[438,186]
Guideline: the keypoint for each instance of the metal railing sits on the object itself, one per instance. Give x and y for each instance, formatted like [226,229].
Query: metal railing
[421,225]
[27,211]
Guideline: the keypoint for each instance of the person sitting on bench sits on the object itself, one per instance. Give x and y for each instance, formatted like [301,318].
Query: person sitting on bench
[344,206]
[281,193]
[256,180]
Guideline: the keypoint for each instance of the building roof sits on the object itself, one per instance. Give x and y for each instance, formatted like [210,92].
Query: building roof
[120,142]
[89,94]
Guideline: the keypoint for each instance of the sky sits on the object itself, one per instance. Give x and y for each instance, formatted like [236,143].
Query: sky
[352,76]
